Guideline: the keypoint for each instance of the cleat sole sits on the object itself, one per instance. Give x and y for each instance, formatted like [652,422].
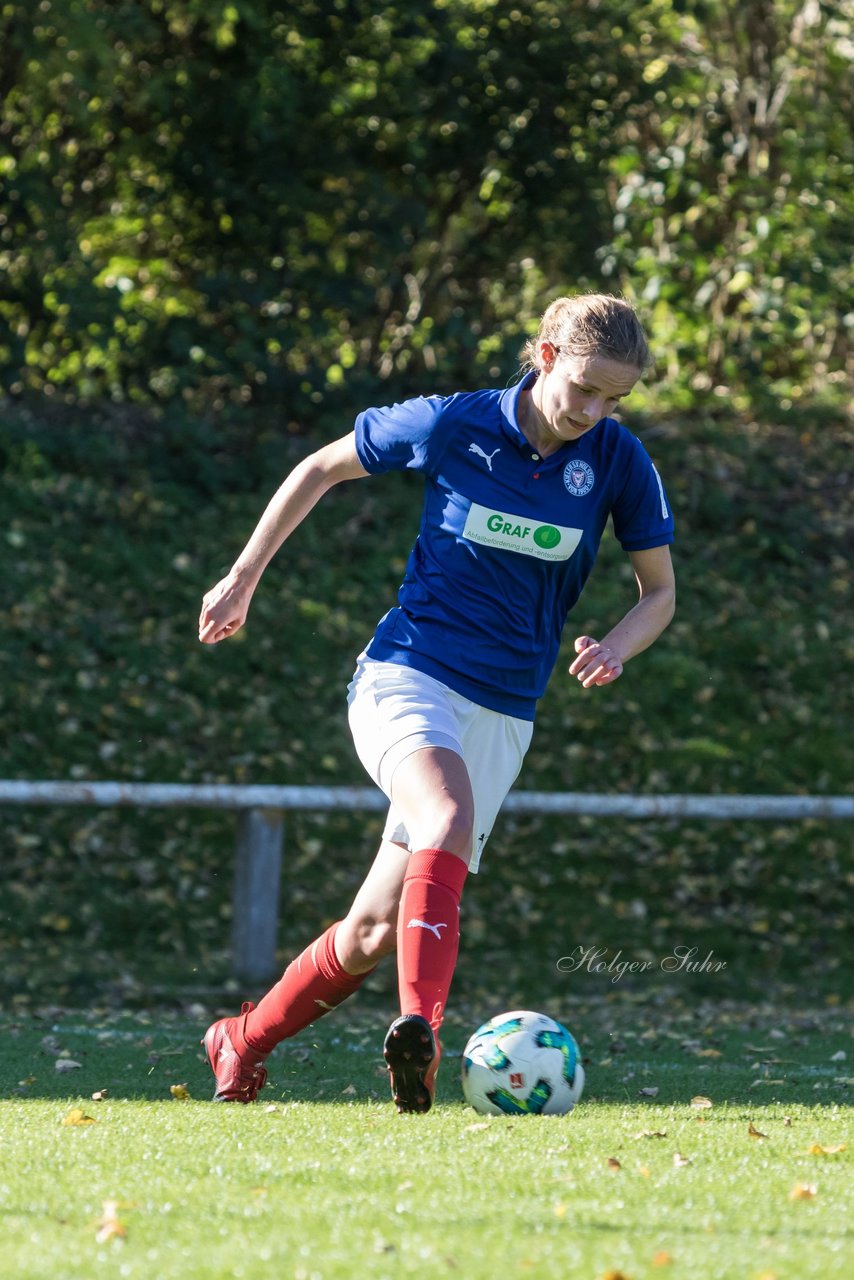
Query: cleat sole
[409,1051]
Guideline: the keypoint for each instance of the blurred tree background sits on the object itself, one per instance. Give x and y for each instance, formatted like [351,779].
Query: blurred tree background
[226,226]
[234,201]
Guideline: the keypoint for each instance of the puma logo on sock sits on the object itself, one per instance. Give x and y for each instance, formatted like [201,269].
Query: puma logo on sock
[422,924]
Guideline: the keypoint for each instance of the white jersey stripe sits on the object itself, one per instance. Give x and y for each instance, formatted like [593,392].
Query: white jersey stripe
[664,511]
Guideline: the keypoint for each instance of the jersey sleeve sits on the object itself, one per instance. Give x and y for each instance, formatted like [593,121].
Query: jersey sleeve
[410,436]
[641,513]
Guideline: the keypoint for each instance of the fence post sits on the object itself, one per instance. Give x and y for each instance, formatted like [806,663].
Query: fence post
[257,873]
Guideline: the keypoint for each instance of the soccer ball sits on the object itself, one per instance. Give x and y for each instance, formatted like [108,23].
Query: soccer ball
[521,1064]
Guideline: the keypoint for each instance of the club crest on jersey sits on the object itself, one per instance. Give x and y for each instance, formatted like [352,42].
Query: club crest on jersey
[578,477]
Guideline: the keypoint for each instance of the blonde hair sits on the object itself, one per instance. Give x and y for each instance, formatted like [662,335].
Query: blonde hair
[591,324]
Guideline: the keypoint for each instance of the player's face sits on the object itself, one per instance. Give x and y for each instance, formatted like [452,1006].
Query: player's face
[573,393]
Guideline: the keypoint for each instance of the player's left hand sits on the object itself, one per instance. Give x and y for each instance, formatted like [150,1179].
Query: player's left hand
[596,663]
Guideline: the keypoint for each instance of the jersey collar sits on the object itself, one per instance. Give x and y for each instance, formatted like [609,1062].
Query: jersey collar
[509,404]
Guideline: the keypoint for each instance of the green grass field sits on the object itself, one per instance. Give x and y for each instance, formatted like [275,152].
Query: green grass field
[321,1178]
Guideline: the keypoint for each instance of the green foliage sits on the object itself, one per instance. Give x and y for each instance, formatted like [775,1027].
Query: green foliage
[731,195]
[234,202]
[252,215]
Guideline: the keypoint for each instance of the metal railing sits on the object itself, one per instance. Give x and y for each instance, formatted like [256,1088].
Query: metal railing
[260,839]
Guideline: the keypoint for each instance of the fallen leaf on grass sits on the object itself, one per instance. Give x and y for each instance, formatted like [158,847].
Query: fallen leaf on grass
[560,1210]
[27,1081]
[109,1227]
[77,1116]
[615,1275]
[680,1161]
[99,1095]
[179,1092]
[643,1171]
[787,1121]
[818,1150]
[661,1259]
[754,1132]
[350,1091]
[803,1191]
[473,1128]
[709,1053]
[67,1064]
[701,1103]
[613,1163]
[652,1133]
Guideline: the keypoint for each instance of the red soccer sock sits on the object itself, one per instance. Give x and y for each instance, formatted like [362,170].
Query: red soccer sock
[428,932]
[312,985]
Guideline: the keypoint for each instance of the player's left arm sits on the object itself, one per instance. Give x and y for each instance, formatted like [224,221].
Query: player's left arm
[602,661]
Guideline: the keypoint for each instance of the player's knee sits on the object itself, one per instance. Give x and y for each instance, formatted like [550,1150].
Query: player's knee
[381,940]
[374,938]
[450,827]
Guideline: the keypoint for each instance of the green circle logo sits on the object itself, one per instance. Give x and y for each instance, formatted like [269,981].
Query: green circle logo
[547,536]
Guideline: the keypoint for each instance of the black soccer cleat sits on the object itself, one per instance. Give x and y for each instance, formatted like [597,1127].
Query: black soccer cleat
[412,1054]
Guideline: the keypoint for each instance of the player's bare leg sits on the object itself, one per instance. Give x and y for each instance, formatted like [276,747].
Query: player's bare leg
[432,793]
[368,931]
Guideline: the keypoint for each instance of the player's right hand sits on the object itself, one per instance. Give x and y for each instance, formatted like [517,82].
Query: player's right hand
[224,610]
[597,663]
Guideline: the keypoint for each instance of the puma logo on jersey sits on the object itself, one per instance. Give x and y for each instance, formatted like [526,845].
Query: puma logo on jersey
[422,924]
[487,457]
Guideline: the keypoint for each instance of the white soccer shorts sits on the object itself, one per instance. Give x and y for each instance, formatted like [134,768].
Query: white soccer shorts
[395,710]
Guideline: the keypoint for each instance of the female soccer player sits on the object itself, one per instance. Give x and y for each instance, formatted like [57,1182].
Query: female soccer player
[519,485]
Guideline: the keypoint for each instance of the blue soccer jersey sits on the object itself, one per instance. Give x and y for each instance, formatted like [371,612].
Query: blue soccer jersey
[507,537]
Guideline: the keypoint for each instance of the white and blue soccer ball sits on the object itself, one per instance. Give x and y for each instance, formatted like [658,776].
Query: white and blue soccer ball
[522,1063]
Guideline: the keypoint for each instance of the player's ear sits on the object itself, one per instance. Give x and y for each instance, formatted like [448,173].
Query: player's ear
[548,355]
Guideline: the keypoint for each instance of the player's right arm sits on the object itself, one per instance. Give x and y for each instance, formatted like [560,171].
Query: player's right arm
[225,606]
